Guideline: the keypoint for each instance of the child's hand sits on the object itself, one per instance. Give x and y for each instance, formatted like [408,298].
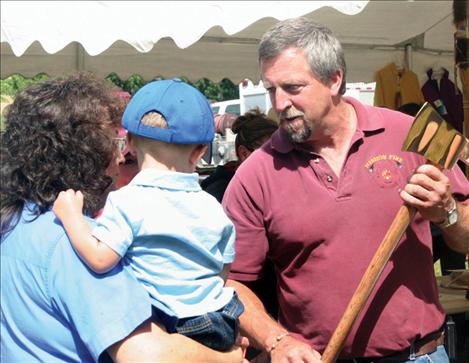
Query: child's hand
[68,203]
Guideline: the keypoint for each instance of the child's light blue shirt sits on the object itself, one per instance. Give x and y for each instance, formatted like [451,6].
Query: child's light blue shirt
[174,236]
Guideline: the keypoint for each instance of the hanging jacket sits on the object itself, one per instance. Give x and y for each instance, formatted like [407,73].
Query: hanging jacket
[446,98]
[393,91]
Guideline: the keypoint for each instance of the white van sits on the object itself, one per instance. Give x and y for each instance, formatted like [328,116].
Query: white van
[230,106]
[254,96]
[250,96]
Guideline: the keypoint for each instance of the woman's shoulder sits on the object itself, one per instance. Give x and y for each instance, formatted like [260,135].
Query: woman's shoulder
[36,238]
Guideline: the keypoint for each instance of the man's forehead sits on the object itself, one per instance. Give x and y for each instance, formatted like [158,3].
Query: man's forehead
[291,64]
[286,77]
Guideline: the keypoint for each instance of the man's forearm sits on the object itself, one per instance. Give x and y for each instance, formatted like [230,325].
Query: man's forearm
[457,235]
[255,322]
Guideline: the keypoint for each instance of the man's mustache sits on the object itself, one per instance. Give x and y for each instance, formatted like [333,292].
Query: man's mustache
[289,113]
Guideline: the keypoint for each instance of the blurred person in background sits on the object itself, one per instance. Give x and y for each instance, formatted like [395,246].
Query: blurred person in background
[252,130]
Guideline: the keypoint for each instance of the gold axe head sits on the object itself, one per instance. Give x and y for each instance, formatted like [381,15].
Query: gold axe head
[439,142]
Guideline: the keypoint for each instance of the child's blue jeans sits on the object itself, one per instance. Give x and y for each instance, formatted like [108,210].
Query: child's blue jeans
[217,330]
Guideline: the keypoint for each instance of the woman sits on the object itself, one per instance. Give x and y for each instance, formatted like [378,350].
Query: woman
[61,134]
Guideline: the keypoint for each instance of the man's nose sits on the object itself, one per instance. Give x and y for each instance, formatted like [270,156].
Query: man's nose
[281,100]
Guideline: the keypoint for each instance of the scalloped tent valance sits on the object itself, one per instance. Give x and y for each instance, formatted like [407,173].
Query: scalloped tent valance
[210,39]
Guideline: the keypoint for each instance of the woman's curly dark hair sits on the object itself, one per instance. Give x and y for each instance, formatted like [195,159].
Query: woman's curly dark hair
[59,135]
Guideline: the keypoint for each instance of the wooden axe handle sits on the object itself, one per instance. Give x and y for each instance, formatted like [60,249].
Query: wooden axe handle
[368,282]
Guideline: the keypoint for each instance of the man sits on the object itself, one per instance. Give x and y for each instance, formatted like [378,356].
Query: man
[317,200]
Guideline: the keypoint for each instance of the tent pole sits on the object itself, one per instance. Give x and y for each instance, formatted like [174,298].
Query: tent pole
[80,57]
[408,55]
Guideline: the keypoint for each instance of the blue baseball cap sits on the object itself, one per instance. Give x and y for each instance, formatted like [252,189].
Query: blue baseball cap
[185,109]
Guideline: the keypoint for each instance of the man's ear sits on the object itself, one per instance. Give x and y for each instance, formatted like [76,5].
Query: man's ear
[336,82]
[197,153]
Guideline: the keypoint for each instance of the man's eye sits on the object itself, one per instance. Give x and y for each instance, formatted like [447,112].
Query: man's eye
[292,88]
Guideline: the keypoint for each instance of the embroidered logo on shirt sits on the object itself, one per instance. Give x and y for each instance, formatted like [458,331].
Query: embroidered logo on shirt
[385,170]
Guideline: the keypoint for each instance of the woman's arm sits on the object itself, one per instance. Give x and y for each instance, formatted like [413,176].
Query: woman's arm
[150,343]
[68,207]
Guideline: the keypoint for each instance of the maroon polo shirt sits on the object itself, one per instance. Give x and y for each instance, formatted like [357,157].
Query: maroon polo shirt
[321,231]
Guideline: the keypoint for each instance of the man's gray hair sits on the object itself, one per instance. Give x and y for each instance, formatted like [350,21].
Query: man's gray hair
[323,50]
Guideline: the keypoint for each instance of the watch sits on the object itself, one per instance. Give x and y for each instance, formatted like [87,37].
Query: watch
[451,217]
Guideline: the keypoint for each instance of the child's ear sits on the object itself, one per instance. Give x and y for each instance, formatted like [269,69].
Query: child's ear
[197,153]
[130,145]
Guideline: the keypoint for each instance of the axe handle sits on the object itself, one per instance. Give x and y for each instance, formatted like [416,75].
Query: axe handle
[368,282]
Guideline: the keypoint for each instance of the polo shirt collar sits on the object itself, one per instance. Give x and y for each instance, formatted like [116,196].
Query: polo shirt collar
[165,179]
[365,122]
[366,126]
[280,142]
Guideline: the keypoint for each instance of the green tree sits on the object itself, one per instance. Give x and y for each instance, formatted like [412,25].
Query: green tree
[185,79]
[157,78]
[210,89]
[115,79]
[40,77]
[134,83]
[10,86]
[228,89]
[6,89]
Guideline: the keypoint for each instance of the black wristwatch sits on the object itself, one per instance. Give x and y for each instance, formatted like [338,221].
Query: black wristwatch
[451,217]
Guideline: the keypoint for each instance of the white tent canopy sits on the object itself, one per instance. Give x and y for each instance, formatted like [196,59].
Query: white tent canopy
[212,39]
